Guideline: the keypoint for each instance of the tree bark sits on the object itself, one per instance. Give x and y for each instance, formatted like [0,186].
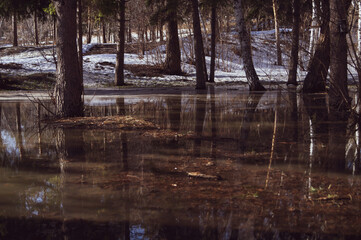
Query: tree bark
[36,32]
[119,67]
[246,52]
[292,77]
[198,47]
[338,92]
[80,39]
[104,31]
[277,33]
[89,34]
[173,58]
[15,29]
[316,77]
[68,88]
[213,42]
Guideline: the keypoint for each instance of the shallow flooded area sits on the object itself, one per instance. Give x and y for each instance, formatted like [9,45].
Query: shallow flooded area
[220,164]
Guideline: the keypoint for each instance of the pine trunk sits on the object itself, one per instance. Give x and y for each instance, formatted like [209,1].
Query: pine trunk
[104,31]
[198,47]
[213,42]
[80,38]
[119,67]
[246,52]
[316,77]
[36,32]
[15,29]
[292,77]
[277,33]
[68,88]
[89,34]
[173,58]
[338,91]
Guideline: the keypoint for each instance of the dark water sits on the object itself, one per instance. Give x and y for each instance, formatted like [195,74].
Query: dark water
[276,166]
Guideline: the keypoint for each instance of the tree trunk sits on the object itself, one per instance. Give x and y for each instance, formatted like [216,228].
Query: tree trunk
[198,47]
[246,52]
[161,35]
[359,29]
[119,67]
[314,25]
[104,31]
[68,88]
[277,33]
[173,58]
[15,29]
[129,32]
[36,32]
[80,39]
[292,77]
[316,77]
[213,42]
[89,34]
[338,91]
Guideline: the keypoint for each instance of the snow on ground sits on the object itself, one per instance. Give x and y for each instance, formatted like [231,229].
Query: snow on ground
[228,64]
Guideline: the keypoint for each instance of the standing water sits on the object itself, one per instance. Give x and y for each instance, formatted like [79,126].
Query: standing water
[222,164]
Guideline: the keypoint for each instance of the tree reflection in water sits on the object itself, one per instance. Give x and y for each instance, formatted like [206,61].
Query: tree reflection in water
[119,184]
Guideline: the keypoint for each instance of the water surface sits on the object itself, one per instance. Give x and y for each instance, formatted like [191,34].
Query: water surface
[268,166]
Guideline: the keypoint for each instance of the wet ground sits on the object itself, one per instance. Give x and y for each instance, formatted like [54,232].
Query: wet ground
[221,164]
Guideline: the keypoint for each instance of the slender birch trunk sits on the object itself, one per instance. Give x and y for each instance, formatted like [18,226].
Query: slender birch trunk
[277,33]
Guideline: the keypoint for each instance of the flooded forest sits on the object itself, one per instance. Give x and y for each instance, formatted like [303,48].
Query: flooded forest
[180,119]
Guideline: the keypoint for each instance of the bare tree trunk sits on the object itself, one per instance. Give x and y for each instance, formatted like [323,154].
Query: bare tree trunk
[213,42]
[292,77]
[316,77]
[80,38]
[277,33]
[68,88]
[198,47]
[314,25]
[129,32]
[119,67]
[104,31]
[246,52]
[173,58]
[36,32]
[89,34]
[161,35]
[15,29]
[338,91]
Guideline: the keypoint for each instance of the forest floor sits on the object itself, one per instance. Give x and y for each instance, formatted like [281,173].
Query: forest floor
[35,66]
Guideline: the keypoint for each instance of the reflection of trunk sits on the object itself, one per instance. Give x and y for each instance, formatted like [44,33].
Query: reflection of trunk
[120,106]
[174,112]
[336,144]
[214,121]
[293,127]
[126,224]
[19,137]
[315,80]
[317,111]
[39,130]
[200,112]
[252,102]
